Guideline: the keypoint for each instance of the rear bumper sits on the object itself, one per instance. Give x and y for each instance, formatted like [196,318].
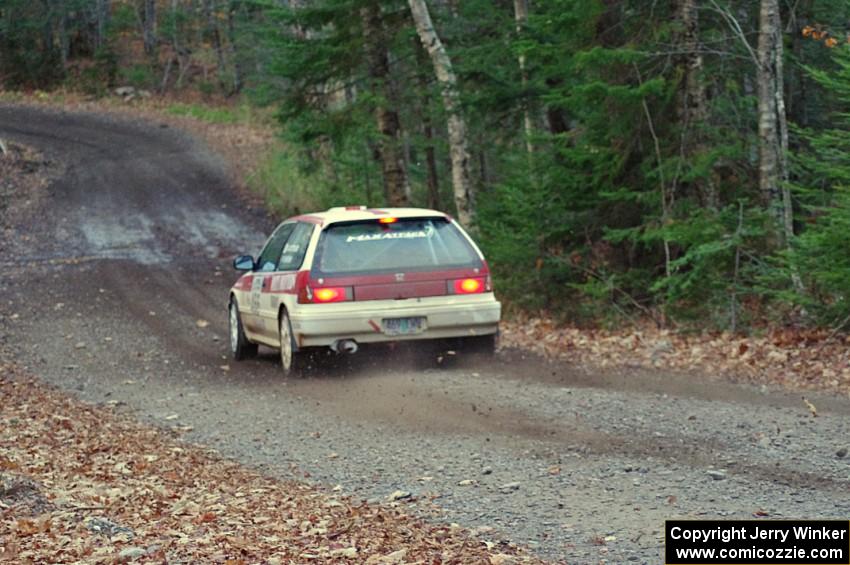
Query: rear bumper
[446,316]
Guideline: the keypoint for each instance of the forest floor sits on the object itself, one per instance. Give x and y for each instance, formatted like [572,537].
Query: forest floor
[80,483]
[792,358]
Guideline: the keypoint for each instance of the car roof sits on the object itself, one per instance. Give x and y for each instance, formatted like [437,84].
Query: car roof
[355,213]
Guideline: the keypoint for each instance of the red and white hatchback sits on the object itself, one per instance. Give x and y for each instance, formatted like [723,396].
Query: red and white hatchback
[354,275]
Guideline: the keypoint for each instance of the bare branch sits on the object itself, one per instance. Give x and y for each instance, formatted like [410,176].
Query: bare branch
[736,29]
[665,205]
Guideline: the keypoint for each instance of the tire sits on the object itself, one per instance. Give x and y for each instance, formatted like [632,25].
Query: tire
[292,361]
[240,347]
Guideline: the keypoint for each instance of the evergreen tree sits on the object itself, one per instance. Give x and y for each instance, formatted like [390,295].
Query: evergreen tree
[821,252]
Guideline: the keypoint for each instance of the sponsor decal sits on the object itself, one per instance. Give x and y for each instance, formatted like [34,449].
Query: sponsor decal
[417,234]
[283,283]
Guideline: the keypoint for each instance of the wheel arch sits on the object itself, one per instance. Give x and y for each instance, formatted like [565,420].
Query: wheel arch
[296,338]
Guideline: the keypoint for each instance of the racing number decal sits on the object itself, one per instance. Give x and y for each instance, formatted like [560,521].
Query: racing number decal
[256,289]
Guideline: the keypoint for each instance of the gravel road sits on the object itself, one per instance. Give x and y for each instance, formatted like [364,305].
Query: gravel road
[102,295]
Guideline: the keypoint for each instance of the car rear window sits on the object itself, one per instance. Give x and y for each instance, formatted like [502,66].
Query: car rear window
[404,245]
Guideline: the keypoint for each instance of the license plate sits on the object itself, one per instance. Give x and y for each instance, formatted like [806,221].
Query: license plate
[403,326]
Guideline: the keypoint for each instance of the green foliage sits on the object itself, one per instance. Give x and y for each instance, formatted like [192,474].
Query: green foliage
[820,255]
[293,182]
[578,227]
[140,75]
[211,114]
[206,88]
[123,19]
[287,189]
[96,79]
[28,54]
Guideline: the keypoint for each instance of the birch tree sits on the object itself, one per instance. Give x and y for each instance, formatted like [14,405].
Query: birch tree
[456,125]
[521,18]
[693,106]
[772,125]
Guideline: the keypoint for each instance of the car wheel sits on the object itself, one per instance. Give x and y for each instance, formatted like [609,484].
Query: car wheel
[292,360]
[240,347]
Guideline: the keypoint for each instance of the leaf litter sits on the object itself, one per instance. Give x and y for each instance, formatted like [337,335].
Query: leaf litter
[805,359]
[83,484]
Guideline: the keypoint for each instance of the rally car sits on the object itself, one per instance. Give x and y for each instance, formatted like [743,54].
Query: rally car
[352,276]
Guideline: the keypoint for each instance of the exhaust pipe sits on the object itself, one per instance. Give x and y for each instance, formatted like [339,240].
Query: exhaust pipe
[345,346]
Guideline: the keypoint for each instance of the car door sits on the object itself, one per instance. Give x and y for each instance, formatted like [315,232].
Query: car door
[267,262]
[282,280]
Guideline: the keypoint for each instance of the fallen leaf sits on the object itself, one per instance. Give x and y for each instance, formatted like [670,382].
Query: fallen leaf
[399,495]
[811,407]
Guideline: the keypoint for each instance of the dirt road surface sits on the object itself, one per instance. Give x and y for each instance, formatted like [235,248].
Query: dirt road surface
[102,291]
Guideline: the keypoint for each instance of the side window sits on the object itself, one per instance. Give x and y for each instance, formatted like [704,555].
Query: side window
[295,248]
[271,252]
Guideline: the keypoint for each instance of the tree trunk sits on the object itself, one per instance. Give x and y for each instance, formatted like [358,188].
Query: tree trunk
[64,39]
[693,107]
[175,31]
[427,129]
[176,50]
[556,119]
[47,28]
[444,71]
[214,33]
[234,50]
[431,162]
[102,14]
[484,165]
[521,17]
[773,129]
[396,187]
[165,74]
[149,29]
[748,85]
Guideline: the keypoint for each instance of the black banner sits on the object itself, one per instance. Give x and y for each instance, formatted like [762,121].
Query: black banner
[757,542]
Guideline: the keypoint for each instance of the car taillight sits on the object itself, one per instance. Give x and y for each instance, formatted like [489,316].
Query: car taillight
[475,285]
[325,295]
[332,294]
